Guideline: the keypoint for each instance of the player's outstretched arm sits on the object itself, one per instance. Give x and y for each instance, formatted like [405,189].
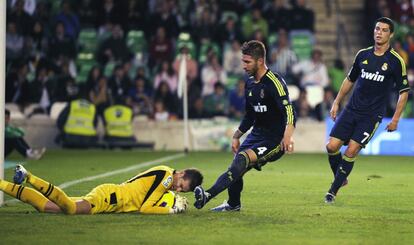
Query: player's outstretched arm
[402,101]
[343,91]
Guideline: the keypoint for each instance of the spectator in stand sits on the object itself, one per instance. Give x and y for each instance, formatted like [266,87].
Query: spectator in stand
[401,10]
[217,103]
[119,85]
[397,45]
[41,91]
[211,73]
[109,11]
[168,98]
[114,48]
[301,105]
[336,75]
[322,110]
[237,100]
[229,32]
[197,111]
[17,85]
[93,78]
[100,95]
[283,58]
[136,14]
[409,47]
[139,98]
[87,12]
[313,71]
[301,17]
[166,18]
[42,13]
[67,90]
[191,64]
[37,42]
[232,61]
[22,20]
[166,74]
[69,19]
[278,15]
[14,43]
[61,46]
[253,21]
[160,48]
[204,27]
[160,113]
[14,141]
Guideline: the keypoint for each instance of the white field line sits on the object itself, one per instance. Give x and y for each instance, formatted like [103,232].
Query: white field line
[115,172]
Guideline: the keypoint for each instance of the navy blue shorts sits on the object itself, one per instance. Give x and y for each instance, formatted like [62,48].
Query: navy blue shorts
[267,148]
[359,128]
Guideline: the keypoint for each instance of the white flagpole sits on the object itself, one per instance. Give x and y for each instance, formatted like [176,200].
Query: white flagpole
[2,87]
[182,91]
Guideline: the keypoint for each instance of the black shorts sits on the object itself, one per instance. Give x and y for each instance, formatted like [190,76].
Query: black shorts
[359,128]
[267,148]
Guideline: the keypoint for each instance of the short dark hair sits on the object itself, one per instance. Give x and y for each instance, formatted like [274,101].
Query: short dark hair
[7,113]
[387,21]
[195,176]
[254,48]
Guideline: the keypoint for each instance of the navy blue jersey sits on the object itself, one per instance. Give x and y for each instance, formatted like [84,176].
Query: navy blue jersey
[268,106]
[375,77]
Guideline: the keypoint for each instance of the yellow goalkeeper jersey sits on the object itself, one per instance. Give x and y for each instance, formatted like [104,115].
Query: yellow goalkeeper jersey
[139,193]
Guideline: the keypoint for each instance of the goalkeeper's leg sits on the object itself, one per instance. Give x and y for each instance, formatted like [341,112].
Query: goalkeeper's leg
[29,196]
[51,192]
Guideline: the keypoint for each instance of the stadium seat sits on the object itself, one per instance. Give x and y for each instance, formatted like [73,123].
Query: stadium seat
[293,92]
[15,112]
[301,43]
[202,58]
[84,63]
[56,109]
[272,40]
[136,41]
[226,14]
[88,40]
[109,68]
[184,39]
[315,95]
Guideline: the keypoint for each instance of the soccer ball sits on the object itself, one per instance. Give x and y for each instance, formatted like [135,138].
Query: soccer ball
[167,200]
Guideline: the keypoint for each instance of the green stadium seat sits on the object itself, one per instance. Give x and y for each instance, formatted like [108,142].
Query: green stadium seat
[226,14]
[184,39]
[272,40]
[302,44]
[109,68]
[136,41]
[88,40]
[84,63]
[204,49]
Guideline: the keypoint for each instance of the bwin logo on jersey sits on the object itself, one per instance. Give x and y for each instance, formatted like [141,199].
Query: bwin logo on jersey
[372,76]
[260,108]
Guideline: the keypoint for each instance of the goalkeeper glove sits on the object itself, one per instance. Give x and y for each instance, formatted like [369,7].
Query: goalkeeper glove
[181,205]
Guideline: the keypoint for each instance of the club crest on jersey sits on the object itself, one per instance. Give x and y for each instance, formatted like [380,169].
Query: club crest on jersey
[384,67]
[167,182]
[262,93]
[372,76]
[260,108]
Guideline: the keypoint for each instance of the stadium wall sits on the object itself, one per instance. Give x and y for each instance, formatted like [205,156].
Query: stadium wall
[204,134]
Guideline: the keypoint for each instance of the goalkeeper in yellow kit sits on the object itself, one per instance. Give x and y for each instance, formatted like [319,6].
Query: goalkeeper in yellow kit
[139,194]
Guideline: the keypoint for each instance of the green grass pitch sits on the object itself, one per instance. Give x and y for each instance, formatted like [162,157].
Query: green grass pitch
[283,204]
